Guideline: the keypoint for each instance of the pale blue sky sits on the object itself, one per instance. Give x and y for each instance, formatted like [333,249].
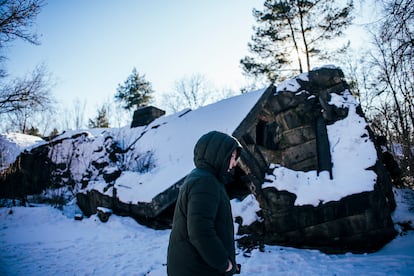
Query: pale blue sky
[90,46]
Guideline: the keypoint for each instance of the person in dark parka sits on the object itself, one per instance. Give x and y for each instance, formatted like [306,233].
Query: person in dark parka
[202,236]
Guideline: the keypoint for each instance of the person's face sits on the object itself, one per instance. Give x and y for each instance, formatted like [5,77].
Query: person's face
[233,160]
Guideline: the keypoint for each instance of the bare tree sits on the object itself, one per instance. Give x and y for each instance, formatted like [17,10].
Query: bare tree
[24,97]
[74,117]
[79,113]
[118,116]
[193,90]
[392,64]
[47,122]
[189,92]
[21,99]
[16,20]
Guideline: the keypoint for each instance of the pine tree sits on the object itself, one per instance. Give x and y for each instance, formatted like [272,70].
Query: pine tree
[34,131]
[135,92]
[101,120]
[290,31]
[54,133]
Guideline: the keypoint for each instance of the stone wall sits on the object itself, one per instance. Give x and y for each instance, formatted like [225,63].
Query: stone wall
[289,128]
[145,115]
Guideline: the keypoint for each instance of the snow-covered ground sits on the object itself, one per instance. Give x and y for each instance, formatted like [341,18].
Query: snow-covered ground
[46,241]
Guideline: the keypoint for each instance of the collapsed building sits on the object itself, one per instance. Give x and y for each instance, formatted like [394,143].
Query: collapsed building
[290,161]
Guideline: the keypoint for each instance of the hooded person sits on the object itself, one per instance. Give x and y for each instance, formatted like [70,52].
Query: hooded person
[202,236]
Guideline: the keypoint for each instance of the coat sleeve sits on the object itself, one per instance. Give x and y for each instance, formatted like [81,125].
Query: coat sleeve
[203,204]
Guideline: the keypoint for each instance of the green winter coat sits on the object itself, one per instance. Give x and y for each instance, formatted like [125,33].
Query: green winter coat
[202,236]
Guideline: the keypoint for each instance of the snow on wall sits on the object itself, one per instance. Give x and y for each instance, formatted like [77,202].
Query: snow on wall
[352,154]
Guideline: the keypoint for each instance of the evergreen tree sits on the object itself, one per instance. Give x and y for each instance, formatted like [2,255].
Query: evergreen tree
[293,30]
[34,131]
[54,133]
[101,120]
[135,92]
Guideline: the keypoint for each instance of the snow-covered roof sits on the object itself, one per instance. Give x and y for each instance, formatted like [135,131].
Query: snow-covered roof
[171,140]
[173,143]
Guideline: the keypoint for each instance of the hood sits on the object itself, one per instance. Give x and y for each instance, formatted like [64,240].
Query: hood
[213,150]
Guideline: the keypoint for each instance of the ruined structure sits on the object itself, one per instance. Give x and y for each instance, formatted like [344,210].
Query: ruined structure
[289,128]
[145,115]
[285,125]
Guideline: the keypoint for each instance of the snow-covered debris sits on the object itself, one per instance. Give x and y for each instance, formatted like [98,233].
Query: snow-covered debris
[246,209]
[353,153]
[292,85]
[12,144]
